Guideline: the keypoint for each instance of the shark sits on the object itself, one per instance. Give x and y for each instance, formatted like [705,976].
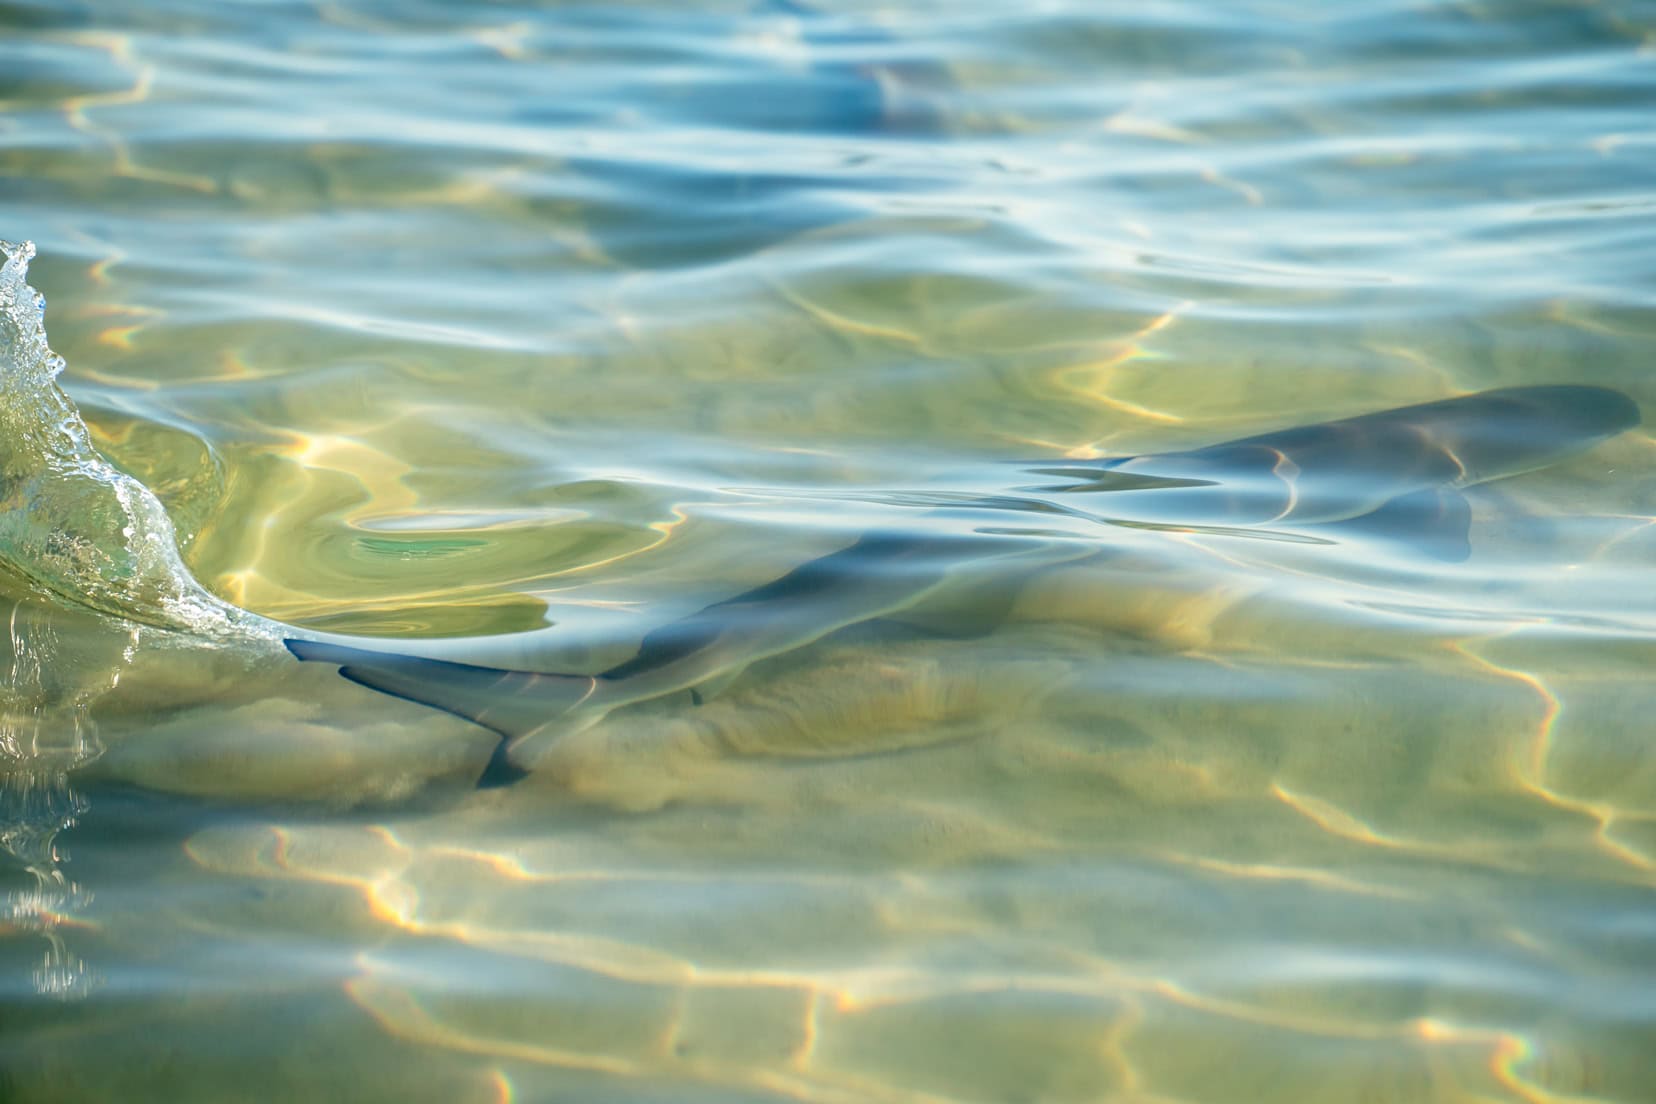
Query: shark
[83,531]
[1397,474]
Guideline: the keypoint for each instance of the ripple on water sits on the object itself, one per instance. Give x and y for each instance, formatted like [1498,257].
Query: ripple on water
[438,319]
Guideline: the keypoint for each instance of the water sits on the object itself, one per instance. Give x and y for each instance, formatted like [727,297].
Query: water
[441,322]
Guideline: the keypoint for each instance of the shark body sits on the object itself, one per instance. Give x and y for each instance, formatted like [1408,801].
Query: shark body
[1393,473]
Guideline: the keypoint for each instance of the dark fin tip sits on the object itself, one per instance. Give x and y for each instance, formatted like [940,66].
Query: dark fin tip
[500,771]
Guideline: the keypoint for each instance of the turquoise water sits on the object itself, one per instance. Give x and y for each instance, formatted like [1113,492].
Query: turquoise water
[514,332]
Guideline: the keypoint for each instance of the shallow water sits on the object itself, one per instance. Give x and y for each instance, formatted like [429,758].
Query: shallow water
[446,320]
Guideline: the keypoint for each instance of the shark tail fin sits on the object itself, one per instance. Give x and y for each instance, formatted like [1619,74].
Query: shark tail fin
[510,703]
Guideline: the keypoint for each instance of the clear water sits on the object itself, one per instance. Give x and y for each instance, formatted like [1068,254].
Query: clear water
[447,320]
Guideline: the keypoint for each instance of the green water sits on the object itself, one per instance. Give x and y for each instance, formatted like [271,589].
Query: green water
[553,323]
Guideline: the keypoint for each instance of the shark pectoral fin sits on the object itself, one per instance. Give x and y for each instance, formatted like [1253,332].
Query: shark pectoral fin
[501,770]
[1434,522]
[511,703]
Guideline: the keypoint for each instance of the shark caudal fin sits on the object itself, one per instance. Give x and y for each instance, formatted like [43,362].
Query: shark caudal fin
[510,703]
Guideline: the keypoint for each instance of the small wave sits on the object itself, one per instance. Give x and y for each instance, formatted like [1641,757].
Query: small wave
[69,521]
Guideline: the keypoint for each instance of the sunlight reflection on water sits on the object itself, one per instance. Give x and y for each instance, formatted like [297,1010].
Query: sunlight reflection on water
[441,320]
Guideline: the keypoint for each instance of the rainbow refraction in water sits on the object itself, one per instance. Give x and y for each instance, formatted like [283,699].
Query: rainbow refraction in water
[990,554]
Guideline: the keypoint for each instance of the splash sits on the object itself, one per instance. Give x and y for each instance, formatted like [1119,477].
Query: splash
[69,520]
[46,732]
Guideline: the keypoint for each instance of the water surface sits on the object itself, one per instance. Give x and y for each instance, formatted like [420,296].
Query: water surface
[441,320]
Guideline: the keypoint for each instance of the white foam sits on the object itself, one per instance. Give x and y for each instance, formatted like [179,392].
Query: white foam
[69,520]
